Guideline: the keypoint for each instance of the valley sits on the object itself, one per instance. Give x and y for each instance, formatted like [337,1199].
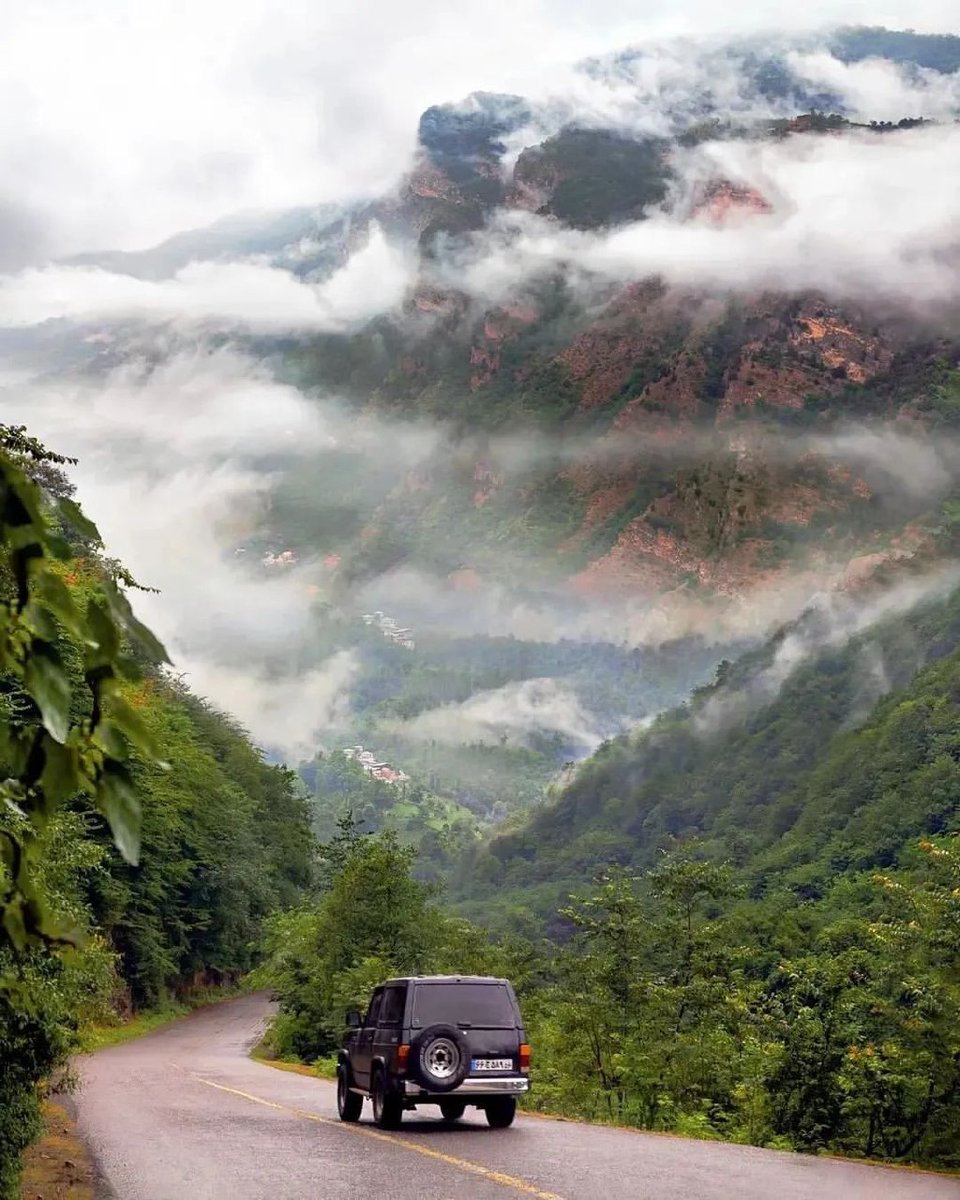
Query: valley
[522,543]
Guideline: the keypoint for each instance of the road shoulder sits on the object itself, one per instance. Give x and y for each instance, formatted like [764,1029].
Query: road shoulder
[60,1166]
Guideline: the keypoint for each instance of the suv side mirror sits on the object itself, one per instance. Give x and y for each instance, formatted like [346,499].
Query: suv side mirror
[353,1019]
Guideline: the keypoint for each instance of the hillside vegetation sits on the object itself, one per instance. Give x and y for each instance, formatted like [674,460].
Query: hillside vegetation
[752,908]
[452,715]
[142,837]
[783,766]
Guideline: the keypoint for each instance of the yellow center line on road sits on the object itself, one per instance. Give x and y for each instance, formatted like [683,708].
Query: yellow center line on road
[451,1160]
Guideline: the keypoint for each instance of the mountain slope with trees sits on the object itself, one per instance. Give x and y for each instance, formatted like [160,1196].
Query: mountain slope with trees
[794,775]
[143,839]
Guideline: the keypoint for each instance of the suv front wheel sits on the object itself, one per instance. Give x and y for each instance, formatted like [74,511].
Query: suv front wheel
[500,1112]
[387,1106]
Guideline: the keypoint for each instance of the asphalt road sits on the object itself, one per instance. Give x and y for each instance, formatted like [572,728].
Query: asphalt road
[185,1114]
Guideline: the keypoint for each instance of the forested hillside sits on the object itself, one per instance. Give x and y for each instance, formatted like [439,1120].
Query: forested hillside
[679,1000]
[143,838]
[826,752]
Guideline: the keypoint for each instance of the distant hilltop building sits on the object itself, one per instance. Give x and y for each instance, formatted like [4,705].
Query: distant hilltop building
[373,766]
[286,558]
[390,630]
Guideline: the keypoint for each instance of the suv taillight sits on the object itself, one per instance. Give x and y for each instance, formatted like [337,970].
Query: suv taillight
[403,1056]
[524,1057]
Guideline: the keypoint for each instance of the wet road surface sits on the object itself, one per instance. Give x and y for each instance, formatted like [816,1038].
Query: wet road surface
[185,1114]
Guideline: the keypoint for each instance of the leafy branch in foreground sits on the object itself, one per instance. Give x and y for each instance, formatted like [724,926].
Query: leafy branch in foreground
[65,655]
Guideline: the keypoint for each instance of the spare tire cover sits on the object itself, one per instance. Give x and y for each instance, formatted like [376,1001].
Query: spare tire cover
[439,1058]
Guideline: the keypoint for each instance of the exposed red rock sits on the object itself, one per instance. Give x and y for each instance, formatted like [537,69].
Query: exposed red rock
[720,201]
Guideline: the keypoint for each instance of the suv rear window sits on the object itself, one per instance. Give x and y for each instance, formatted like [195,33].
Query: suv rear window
[481,1005]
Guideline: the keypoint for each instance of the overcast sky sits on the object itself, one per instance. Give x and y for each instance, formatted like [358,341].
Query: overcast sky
[121,123]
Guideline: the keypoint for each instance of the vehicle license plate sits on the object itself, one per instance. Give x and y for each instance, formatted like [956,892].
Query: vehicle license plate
[492,1064]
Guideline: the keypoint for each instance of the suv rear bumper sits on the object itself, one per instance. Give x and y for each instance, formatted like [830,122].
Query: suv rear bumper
[513,1085]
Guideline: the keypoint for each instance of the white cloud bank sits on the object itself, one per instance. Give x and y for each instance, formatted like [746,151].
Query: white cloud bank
[862,216]
[829,621]
[173,469]
[121,123]
[248,294]
[517,711]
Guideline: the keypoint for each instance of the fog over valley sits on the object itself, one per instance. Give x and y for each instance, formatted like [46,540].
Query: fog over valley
[280,419]
[480,599]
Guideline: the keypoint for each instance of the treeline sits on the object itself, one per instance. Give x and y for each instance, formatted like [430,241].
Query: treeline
[143,839]
[678,1001]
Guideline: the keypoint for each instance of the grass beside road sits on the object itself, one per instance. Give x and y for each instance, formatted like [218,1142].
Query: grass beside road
[321,1068]
[124,1029]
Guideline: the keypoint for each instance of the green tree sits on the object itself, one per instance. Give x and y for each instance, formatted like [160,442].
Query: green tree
[373,920]
[65,728]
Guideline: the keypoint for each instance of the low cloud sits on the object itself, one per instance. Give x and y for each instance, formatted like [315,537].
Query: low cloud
[858,216]
[249,295]
[177,465]
[633,618]
[516,712]
[877,89]
[828,622]
[666,85]
[288,715]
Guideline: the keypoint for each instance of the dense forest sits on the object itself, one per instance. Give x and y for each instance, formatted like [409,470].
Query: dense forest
[739,923]
[143,839]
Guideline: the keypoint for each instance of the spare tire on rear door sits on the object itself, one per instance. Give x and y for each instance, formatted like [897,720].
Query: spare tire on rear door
[439,1058]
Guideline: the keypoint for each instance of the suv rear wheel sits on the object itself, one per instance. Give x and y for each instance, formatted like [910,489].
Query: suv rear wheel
[349,1104]
[387,1107]
[452,1110]
[500,1112]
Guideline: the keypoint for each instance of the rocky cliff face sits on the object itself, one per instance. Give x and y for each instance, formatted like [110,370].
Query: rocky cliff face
[697,437]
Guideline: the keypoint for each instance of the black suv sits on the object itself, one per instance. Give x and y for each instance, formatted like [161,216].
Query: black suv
[450,1040]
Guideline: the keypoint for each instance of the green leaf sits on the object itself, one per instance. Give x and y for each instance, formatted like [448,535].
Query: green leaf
[74,515]
[55,594]
[120,805]
[13,924]
[113,743]
[40,620]
[103,630]
[58,547]
[21,501]
[129,722]
[47,682]
[9,849]
[128,668]
[61,771]
[147,641]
